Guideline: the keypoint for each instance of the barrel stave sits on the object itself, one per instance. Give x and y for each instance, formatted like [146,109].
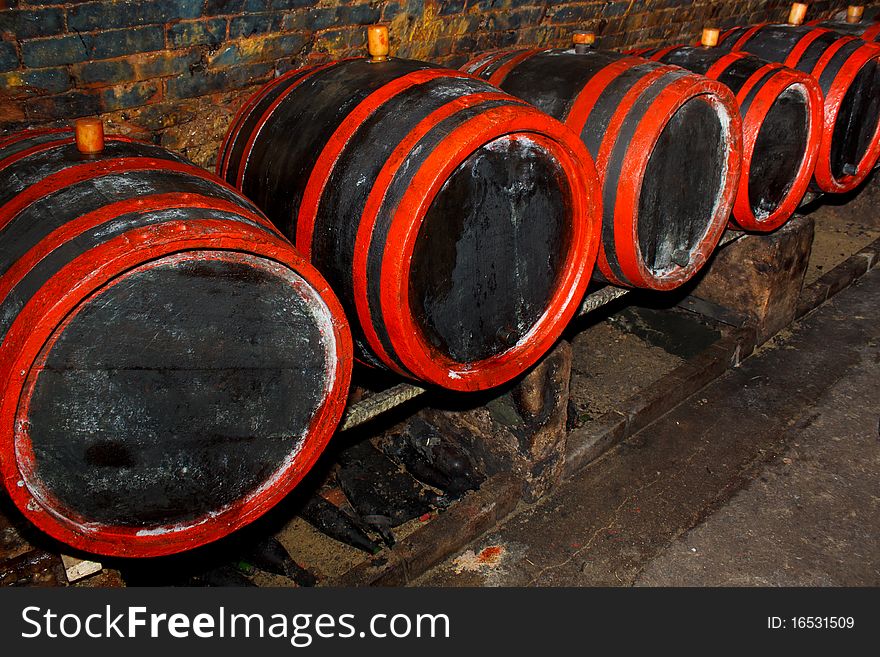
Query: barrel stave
[232,150]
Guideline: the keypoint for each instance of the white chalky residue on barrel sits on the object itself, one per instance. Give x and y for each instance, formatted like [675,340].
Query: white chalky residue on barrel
[448,92]
[117,184]
[724,120]
[532,151]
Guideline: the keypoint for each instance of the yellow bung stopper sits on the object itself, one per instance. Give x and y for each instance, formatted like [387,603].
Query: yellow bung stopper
[854,13]
[377,43]
[583,38]
[798,13]
[89,135]
[710,37]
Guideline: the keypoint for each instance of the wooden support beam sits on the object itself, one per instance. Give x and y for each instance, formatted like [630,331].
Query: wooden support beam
[761,276]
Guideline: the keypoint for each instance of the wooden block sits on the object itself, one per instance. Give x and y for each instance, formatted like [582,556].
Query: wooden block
[521,431]
[33,568]
[77,569]
[12,543]
[761,276]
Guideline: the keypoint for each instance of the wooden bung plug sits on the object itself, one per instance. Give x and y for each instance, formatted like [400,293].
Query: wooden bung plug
[854,13]
[798,13]
[89,135]
[377,43]
[709,39]
[583,41]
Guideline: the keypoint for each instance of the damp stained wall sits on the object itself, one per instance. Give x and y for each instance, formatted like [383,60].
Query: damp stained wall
[173,72]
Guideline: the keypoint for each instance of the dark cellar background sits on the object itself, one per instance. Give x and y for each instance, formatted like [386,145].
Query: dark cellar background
[175,71]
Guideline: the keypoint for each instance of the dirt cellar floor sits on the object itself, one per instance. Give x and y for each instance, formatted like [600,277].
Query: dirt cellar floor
[768,476]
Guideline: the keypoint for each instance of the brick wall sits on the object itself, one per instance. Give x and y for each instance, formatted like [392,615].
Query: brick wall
[174,71]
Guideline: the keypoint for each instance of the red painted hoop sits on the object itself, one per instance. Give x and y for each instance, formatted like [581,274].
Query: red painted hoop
[481,62]
[498,76]
[872,33]
[798,51]
[607,145]
[422,358]
[373,205]
[691,88]
[329,156]
[783,79]
[825,178]
[371,209]
[57,299]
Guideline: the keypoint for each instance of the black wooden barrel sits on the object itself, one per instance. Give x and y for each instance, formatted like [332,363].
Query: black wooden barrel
[172,366]
[848,73]
[666,144]
[781,111]
[458,224]
[868,28]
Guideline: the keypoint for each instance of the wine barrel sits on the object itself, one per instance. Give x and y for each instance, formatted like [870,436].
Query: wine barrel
[667,144]
[458,224]
[863,24]
[848,73]
[781,111]
[866,30]
[173,366]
